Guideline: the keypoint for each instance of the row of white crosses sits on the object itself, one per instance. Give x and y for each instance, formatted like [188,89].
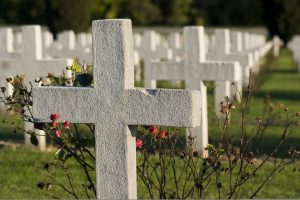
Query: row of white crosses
[113,104]
[294,46]
[29,62]
[194,69]
[147,50]
[67,46]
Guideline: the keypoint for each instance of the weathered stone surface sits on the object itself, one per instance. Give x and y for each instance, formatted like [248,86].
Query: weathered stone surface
[194,69]
[31,63]
[7,50]
[113,104]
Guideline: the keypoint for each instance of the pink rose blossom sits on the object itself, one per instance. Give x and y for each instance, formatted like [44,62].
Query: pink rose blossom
[139,143]
[54,116]
[66,124]
[57,133]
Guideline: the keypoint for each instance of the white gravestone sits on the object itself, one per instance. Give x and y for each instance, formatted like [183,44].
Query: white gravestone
[7,50]
[276,46]
[137,39]
[114,104]
[66,47]
[17,41]
[176,45]
[148,52]
[194,70]
[32,65]
[47,40]
[294,46]
[221,52]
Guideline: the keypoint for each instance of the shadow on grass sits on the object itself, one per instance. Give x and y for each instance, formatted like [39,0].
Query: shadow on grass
[283,71]
[279,95]
[266,145]
[15,137]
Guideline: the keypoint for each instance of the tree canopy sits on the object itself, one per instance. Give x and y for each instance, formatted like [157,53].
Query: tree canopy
[279,16]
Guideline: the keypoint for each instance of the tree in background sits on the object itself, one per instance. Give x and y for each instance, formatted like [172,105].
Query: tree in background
[106,9]
[181,12]
[141,12]
[22,12]
[69,14]
[282,17]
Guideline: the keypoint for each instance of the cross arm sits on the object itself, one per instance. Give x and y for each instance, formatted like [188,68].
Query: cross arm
[54,66]
[8,67]
[75,104]
[218,71]
[167,71]
[179,108]
[244,59]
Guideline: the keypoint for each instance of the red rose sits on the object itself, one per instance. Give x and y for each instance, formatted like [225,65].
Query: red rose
[153,130]
[66,124]
[53,124]
[163,134]
[54,116]
[57,133]
[139,143]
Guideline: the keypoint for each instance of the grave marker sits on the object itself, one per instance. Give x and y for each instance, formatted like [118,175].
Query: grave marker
[148,51]
[31,64]
[221,52]
[114,104]
[194,70]
[294,45]
[66,47]
[7,44]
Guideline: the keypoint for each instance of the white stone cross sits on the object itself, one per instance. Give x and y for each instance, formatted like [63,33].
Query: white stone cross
[47,40]
[294,45]
[7,52]
[276,45]
[175,43]
[18,41]
[81,40]
[66,47]
[236,41]
[148,52]
[7,44]
[221,52]
[32,65]
[249,47]
[194,70]
[114,104]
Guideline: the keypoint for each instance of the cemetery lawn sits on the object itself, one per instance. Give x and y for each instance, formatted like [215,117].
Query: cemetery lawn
[21,170]
[8,133]
[279,79]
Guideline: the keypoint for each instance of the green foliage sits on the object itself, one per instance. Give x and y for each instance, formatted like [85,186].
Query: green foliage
[282,17]
[142,12]
[33,139]
[69,14]
[106,9]
[180,12]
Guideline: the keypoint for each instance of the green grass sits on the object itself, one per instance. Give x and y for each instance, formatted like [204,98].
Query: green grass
[8,122]
[21,169]
[279,80]
[283,185]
